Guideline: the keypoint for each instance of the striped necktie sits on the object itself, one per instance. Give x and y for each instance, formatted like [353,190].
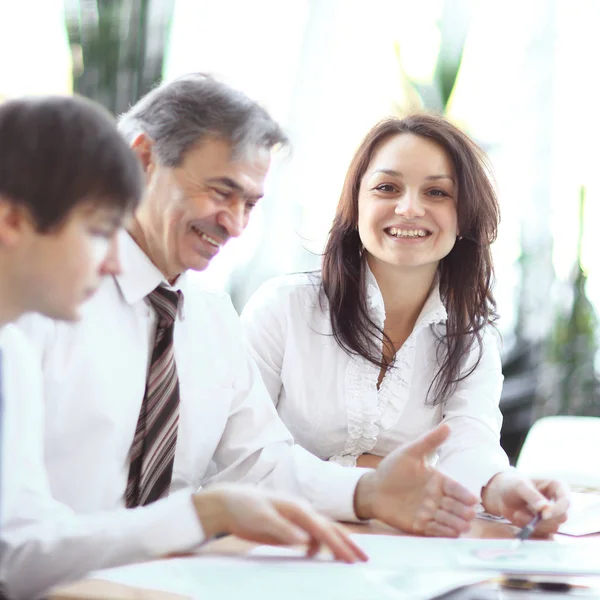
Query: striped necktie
[153,449]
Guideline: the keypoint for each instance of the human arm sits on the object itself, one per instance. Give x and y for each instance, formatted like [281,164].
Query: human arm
[271,518]
[403,491]
[54,549]
[263,452]
[473,455]
[45,542]
[474,415]
[265,327]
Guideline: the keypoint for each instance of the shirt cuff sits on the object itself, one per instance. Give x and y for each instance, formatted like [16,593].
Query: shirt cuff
[345,460]
[475,474]
[173,527]
[337,486]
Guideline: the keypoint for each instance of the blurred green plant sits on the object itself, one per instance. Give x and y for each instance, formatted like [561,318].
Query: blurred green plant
[435,95]
[117,48]
[572,345]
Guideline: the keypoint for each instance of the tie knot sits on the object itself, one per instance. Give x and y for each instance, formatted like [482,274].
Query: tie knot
[165,302]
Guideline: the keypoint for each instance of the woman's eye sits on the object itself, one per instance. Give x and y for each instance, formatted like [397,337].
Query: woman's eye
[438,193]
[385,187]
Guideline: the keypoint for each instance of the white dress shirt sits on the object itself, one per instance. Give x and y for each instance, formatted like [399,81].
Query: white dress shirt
[43,541]
[329,399]
[94,376]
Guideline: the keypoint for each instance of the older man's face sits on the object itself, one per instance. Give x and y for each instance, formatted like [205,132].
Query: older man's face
[189,212]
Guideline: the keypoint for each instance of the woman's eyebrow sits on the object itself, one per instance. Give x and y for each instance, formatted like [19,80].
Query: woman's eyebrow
[436,177]
[395,173]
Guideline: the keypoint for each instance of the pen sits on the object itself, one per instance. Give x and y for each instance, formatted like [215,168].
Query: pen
[547,584]
[526,532]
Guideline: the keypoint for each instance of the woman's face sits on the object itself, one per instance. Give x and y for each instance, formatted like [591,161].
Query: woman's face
[407,204]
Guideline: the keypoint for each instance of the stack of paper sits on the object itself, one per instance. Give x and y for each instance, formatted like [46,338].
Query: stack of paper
[498,556]
[584,515]
[280,575]
[400,568]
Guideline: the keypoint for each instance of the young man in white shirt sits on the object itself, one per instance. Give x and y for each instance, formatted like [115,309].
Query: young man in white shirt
[205,151]
[67,181]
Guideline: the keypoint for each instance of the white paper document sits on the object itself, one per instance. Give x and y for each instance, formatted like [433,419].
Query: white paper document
[282,576]
[584,515]
[400,568]
[499,556]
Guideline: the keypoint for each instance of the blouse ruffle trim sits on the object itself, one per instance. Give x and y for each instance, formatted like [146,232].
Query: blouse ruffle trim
[367,408]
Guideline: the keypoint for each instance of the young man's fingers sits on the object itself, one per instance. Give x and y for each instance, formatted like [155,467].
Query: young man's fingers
[322,530]
[343,533]
[314,547]
[345,541]
[282,530]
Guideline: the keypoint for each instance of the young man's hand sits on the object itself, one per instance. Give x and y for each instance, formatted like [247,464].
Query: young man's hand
[407,494]
[267,518]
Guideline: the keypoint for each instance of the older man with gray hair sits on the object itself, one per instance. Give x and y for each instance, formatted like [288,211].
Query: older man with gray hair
[152,395]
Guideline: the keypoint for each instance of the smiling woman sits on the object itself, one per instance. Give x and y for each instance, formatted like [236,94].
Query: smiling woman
[396,333]
[406,205]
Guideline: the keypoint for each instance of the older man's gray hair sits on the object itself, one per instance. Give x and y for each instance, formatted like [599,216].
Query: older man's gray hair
[179,114]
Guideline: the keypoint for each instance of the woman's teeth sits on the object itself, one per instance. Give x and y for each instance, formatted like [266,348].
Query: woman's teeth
[407,233]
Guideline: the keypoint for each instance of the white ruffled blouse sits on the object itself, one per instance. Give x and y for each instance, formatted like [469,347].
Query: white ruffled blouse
[329,399]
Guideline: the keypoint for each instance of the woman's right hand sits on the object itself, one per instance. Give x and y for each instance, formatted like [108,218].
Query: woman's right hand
[406,493]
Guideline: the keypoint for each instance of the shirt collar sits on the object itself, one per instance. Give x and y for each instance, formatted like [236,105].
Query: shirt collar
[433,310]
[139,276]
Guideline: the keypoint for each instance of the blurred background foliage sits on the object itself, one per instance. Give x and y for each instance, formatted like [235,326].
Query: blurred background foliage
[514,75]
[117,48]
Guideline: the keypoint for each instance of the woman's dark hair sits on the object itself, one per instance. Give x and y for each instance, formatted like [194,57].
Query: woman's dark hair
[58,152]
[465,274]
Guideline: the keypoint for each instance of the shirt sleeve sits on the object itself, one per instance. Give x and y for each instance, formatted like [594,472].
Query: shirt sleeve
[265,451]
[43,542]
[56,546]
[473,454]
[264,324]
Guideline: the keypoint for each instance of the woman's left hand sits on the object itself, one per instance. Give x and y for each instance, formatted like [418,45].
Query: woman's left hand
[518,499]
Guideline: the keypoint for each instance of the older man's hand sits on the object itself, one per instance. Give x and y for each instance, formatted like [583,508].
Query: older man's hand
[406,493]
